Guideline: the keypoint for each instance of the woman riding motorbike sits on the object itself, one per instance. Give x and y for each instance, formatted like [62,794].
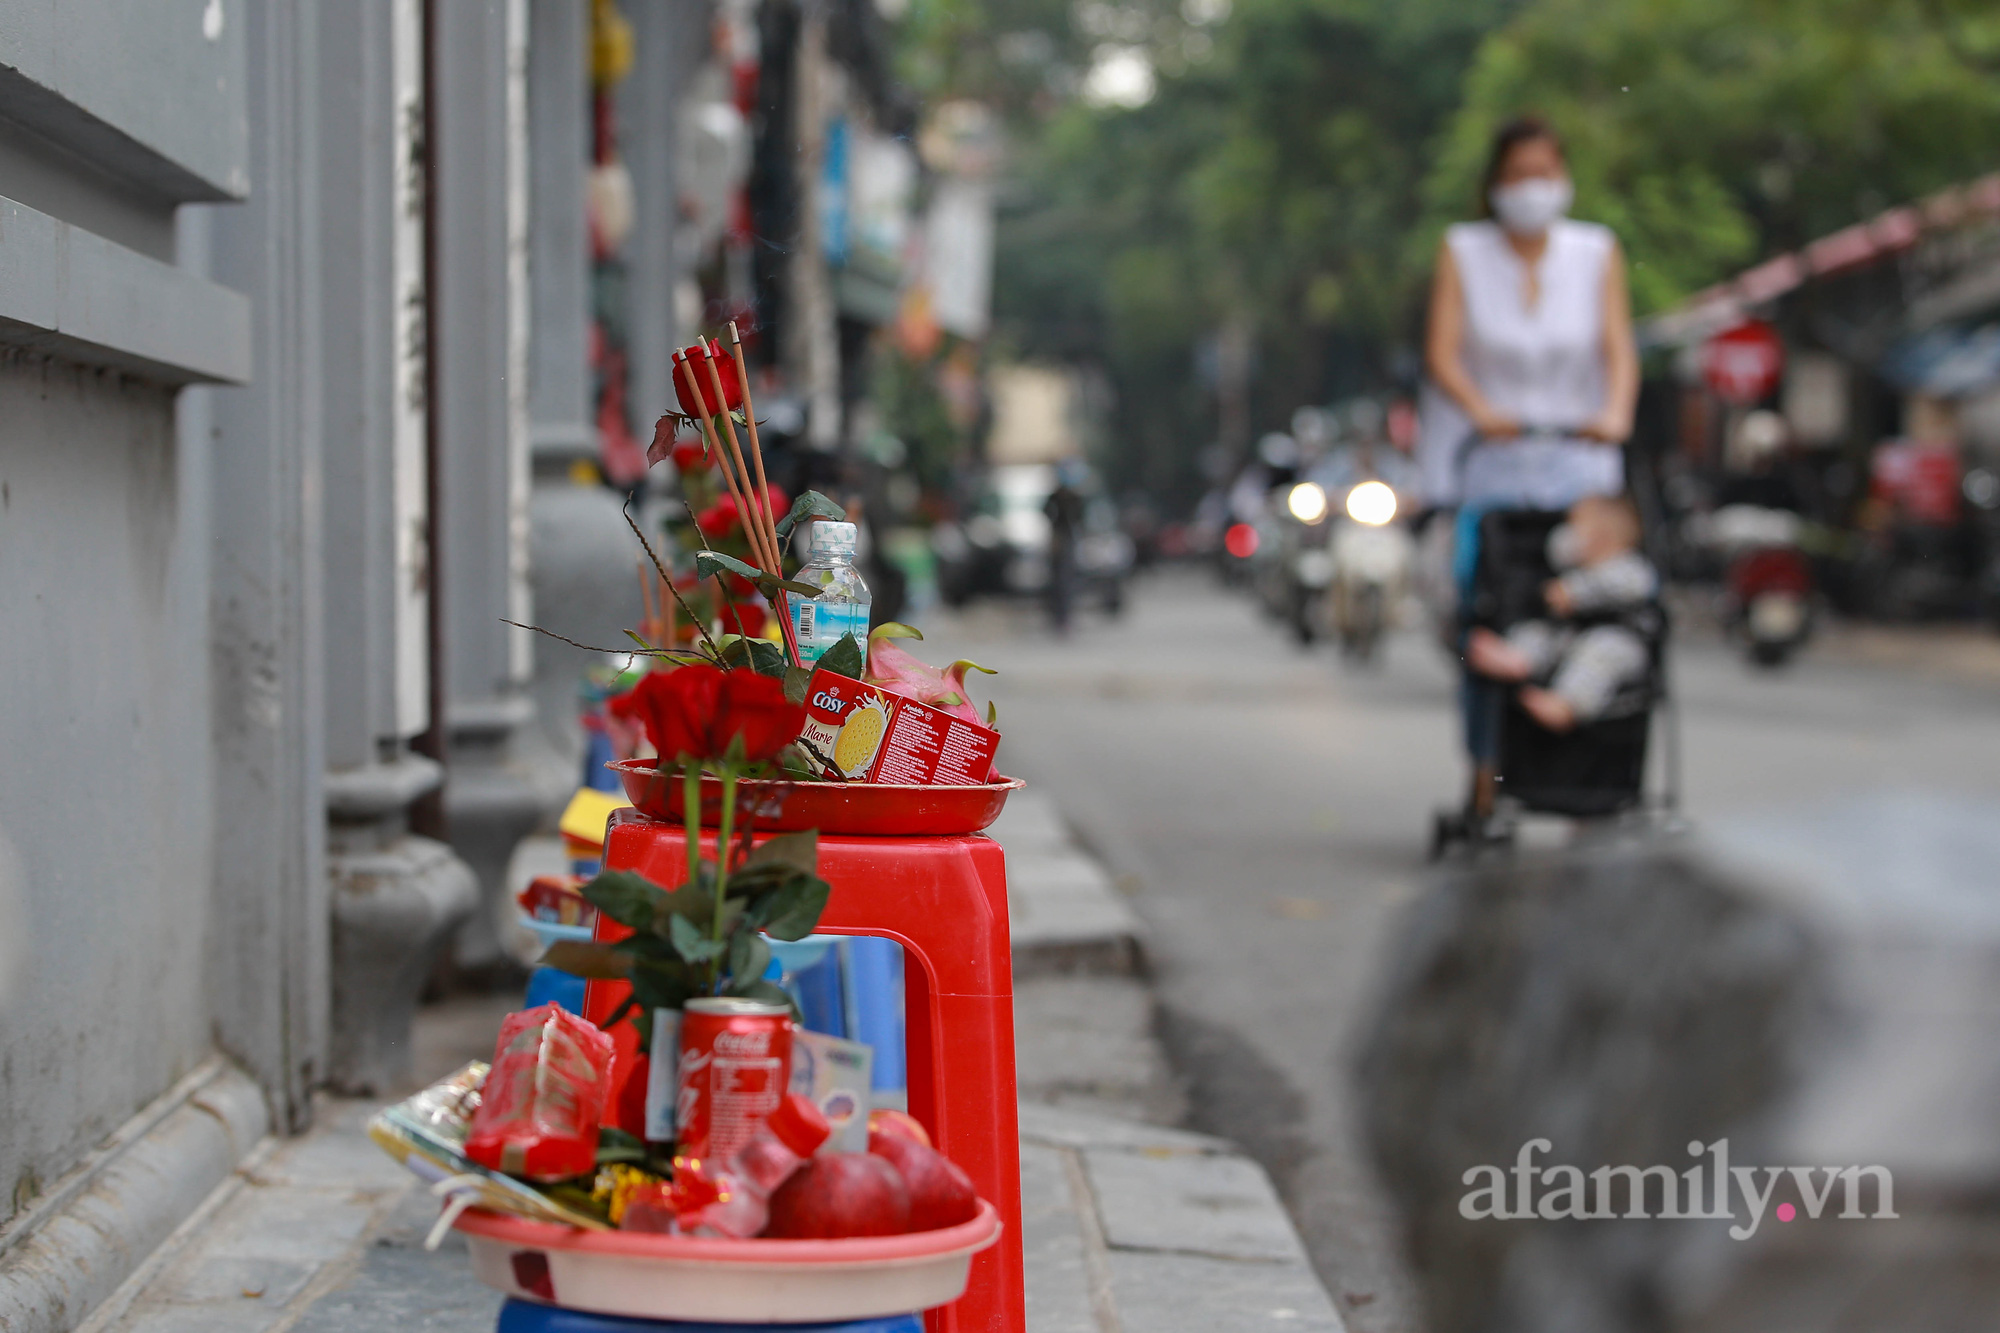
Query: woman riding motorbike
[1530,337]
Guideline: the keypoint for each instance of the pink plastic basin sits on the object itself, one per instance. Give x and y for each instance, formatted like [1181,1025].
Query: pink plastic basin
[741,1281]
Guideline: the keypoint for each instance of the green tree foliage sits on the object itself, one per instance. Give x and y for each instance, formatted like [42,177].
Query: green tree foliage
[1301,157]
[1710,133]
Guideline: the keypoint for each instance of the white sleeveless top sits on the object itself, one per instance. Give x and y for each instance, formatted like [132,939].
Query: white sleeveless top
[1542,365]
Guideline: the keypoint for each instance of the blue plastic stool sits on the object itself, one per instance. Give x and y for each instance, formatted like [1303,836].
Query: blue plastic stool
[597,752]
[546,984]
[518,1316]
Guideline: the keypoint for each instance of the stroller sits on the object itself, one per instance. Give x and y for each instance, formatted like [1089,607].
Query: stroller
[1596,771]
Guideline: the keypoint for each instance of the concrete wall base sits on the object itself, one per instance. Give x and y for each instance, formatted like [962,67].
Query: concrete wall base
[67,1254]
[394,909]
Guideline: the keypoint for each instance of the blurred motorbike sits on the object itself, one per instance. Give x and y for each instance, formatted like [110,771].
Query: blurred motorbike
[1767,578]
[1372,560]
[1002,547]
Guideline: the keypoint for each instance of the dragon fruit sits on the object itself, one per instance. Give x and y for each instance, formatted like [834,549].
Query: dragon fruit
[896,670]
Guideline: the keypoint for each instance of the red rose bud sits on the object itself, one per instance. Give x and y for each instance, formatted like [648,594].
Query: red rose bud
[702,402]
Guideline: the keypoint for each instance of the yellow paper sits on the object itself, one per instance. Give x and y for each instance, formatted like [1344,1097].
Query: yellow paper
[587,813]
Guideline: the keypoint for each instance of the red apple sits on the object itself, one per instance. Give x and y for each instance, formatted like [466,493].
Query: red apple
[900,1123]
[841,1194]
[941,1195]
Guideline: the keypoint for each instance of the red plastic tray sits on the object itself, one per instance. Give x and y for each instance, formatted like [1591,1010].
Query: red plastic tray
[873,809]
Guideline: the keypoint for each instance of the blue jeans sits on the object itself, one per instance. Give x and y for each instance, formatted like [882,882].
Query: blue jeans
[1480,700]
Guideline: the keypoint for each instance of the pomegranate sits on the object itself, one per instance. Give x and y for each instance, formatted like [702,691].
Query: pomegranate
[841,1194]
[900,1123]
[941,1194]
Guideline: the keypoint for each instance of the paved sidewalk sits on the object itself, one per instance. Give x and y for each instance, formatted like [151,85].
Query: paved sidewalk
[1130,1226]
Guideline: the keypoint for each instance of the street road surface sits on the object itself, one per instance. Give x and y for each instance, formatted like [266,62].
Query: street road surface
[1268,811]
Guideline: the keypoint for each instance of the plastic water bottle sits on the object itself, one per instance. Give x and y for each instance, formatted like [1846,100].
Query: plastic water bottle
[842,605]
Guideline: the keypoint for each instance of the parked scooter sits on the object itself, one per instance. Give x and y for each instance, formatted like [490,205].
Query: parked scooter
[1767,579]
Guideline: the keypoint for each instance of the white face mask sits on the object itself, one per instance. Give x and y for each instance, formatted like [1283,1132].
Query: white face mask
[1565,548]
[1530,207]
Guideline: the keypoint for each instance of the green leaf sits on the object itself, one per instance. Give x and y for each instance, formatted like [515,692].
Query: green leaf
[635,637]
[799,850]
[765,991]
[615,1145]
[594,962]
[691,944]
[696,902]
[629,899]
[630,1005]
[749,956]
[708,563]
[750,882]
[810,505]
[760,655]
[844,658]
[797,681]
[667,985]
[793,911]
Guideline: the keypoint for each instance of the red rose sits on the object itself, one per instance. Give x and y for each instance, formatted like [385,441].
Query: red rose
[780,506]
[755,708]
[689,456]
[698,711]
[674,707]
[719,519]
[752,615]
[698,358]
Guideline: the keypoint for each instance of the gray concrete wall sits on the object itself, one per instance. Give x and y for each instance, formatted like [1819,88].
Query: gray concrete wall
[106,794]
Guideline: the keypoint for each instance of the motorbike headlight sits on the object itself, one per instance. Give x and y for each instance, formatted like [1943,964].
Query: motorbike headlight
[1372,503]
[1307,502]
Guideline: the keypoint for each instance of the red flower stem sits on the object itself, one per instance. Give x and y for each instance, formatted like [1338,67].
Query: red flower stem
[764,493]
[691,814]
[722,857]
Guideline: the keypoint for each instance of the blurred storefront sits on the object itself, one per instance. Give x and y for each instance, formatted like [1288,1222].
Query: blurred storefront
[1885,378]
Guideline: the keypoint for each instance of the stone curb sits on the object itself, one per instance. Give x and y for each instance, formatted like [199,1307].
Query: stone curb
[1131,1228]
[1066,915]
[106,1218]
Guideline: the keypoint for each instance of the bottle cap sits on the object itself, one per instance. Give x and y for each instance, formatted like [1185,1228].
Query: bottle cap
[830,537]
[799,1125]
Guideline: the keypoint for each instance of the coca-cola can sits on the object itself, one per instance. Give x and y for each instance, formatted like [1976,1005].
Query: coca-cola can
[736,1066]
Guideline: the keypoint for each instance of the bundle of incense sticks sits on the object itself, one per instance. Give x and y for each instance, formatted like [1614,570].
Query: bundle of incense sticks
[753,502]
[660,625]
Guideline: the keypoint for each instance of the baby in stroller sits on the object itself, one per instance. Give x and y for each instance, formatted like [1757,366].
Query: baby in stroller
[1581,650]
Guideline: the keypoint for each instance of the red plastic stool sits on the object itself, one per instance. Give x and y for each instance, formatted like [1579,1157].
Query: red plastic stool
[945,900]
